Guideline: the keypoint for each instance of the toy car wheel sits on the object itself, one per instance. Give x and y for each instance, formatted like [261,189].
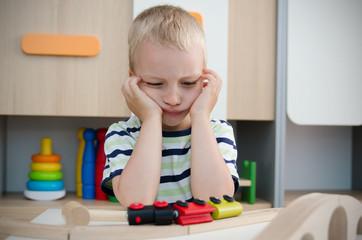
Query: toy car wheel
[182,203]
[229,198]
[199,201]
[215,200]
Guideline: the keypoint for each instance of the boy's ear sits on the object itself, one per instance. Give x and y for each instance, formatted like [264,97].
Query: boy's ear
[130,73]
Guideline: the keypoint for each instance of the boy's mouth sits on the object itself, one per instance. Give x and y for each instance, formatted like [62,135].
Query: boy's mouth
[172,112]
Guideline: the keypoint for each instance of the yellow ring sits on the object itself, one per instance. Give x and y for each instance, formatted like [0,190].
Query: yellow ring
[40,158]
[46,167]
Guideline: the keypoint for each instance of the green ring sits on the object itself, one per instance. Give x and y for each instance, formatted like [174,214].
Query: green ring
[45,176]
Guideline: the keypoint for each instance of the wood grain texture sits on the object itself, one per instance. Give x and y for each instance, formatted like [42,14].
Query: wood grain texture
[57,85]
[251,60]
[32,230]
[316,216]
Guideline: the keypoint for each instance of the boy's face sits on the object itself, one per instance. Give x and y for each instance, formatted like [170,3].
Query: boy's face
[171,78]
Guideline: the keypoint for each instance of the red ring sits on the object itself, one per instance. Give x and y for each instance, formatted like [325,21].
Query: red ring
[159,204]
[136,206]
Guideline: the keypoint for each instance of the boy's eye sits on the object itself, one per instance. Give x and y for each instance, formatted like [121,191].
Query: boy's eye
[154,83]
[188,84]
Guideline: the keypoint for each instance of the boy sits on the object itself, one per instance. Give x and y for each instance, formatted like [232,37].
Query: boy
[169,150]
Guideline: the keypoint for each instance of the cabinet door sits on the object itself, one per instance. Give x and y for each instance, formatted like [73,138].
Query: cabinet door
[252,59]
[324,81]
[64,85]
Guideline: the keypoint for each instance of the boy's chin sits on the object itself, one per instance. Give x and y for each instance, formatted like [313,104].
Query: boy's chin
[175,126]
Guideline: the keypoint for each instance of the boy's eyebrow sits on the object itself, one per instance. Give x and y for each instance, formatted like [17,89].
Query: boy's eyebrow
[191,76]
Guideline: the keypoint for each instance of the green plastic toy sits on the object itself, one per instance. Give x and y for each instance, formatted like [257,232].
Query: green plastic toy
[248,171]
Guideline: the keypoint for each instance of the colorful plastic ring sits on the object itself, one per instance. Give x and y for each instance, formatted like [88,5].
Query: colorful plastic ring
[46,167]
[45,185]
[45,176]
[40,158]
[44,195]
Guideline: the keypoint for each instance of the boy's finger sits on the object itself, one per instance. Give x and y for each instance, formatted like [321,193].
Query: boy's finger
[125,87]
[133,84]
[212,72]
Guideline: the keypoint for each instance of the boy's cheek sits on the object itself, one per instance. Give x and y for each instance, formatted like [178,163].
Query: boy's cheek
[142,85]
[197,94]
[151,94]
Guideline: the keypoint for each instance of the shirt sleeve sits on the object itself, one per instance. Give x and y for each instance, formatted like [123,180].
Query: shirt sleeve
[118,147]
[224,135]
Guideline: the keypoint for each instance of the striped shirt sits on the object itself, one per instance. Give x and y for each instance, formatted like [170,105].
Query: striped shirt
[175,181]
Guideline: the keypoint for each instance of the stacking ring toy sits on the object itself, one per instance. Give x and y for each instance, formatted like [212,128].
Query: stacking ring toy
[46,167]
[45,176]
[40,158]
[45,185]
[44,195]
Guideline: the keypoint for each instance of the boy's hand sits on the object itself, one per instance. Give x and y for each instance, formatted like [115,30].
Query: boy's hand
[138,101]
[207,99]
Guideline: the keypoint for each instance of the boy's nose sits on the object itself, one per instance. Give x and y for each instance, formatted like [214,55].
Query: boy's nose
[172,97]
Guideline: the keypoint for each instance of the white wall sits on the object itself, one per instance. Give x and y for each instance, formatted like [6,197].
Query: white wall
[318,157]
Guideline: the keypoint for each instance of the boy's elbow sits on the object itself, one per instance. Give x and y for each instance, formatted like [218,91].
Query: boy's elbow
[127,195]
[125,200]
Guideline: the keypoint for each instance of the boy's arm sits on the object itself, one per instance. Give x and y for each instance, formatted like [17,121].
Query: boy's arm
[209,174]
[141,176]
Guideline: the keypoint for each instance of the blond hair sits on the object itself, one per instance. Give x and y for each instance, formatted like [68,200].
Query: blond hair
[168,26]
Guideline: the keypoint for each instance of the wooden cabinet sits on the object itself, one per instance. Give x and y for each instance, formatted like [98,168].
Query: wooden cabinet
[91,86]
[251,59]
[64,85]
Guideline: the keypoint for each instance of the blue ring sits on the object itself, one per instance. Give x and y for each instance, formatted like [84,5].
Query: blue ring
[34,185]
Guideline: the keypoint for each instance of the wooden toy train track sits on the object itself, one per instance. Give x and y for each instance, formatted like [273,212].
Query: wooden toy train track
[317,216]
[32,230]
